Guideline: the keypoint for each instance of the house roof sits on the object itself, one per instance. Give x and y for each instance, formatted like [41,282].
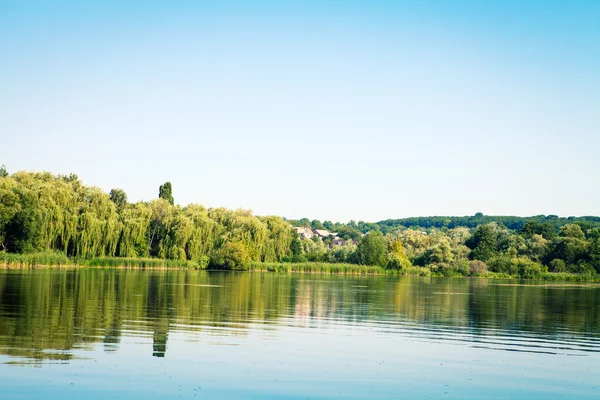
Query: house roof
[322,232]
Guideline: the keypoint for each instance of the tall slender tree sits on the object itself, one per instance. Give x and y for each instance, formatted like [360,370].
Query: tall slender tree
[165,191]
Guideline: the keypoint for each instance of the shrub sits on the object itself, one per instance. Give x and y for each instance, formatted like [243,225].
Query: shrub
[236,255]
[558,265]
[504,265]
[397,262]
[529,269]
[477,268]
[203,262]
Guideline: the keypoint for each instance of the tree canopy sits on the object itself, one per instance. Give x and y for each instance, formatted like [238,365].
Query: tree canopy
[165,191]
[46,212]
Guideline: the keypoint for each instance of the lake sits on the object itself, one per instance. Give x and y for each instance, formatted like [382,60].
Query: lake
[133,334]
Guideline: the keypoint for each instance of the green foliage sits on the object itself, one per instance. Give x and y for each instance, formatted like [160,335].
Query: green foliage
[573,250]
[22,233]
[119,197]
[572,231]
[34,259]
[439,253]
[47,212]
[236,255]
[372,250]
[484,242]
[477,268]
[348,233]
[510,222]
[397,258]
[165,191]
[317,267]
[558,265]
[9,206]
[534,227]
[41,212]
[316,224]
[117,262]
[528,269]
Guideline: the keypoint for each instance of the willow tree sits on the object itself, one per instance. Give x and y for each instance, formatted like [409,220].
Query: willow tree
[98,229]
[49,212]
[158,228]
[135,220]
[202,239]
[279,239]
[9,206]
[119,197]
[177,236]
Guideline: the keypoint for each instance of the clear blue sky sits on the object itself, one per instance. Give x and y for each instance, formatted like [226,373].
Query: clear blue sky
[334,110]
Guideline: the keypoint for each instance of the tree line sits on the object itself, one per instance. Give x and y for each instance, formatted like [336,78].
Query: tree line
[537,247]
[44,212]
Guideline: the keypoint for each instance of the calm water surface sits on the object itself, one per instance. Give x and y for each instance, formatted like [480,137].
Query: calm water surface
[127,334]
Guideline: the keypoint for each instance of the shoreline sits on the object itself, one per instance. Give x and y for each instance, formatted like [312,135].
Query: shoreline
[311,268]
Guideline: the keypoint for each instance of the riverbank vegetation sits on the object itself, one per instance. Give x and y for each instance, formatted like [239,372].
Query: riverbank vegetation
[56,220]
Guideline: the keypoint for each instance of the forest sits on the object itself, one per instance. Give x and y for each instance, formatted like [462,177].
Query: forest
[56,217]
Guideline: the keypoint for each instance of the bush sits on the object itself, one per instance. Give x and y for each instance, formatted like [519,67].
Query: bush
[477,268]
[529,269]
[558,265]
[503,265]
[397,262]
[203,262]
[461,266]
[236,255]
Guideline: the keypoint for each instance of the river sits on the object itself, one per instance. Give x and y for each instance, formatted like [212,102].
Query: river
[134,334]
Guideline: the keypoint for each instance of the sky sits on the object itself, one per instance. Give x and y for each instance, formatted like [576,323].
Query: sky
[334,110]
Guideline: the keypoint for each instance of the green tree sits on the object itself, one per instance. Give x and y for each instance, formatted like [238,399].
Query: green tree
[9,206]
[316,224]
[570,249]
[594,250]
[372,249]
[558,265]
[23,231]
[3,171]
[296,246]
[439,253]
[572,231]
[397,258]
[165,191]
[347,232]
[534,227]
[483,242]
[119,197]
[477,268]
[236,255]
[536,247]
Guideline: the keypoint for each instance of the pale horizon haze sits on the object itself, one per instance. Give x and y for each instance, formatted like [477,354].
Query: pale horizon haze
[330,110]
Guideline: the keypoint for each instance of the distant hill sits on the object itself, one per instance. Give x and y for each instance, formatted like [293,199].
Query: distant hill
[353,228]
[511,222]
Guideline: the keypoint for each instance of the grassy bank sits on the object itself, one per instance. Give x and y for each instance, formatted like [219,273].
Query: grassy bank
[142,263]
[317,267]
[52,259]
[46,259]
